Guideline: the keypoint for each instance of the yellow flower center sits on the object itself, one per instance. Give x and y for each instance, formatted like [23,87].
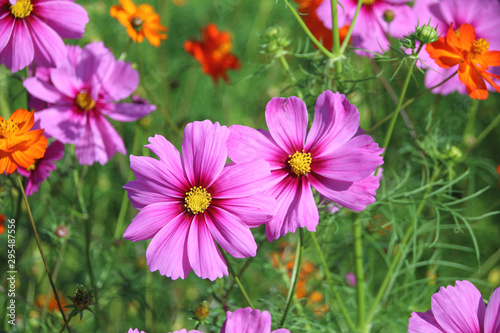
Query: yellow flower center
[31,167]
[197,200]
[300,163]
[84,101]
[137,23]
[480,47]
[8,126]
[368,2]
[22,8]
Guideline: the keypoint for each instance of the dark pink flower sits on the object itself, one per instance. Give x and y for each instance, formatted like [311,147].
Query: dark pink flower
[249,321]
[40,170]
[458,309]
[372,24]
[330,159]
[32,30]
[80,94]
[189,203]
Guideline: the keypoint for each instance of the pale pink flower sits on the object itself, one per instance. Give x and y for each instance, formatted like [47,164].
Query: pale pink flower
[189,203]
[40,170]
[458,309]
[330,159]
[246,320]
[79,95]
[32,30]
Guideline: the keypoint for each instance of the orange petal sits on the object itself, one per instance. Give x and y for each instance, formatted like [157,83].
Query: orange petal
[128,6]
[467,36]
[492,58]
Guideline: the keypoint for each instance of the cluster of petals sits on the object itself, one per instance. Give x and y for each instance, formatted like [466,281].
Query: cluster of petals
[247,320]
[75,99]
[308,9]
[471,55]
[188,203]
[32,30]
[40,170]
[482,15]
[458,309]
[213,52]
[376,19]
[19,145]
[330,158]
[141,21]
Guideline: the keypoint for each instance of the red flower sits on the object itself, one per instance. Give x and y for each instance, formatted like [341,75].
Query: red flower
[213,52]
[472,57]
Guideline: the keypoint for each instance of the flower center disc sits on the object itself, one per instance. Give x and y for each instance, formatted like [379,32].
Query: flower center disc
[197,200]
[21,9]
[8,126]
[137,23]
[300,163]
[368,2]
[480,47]
[84,101]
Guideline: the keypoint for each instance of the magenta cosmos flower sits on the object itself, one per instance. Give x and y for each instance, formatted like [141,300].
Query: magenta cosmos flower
[481,14]
[458,309]
[375,20]
[80,94]
[32,30]
[189,203]
[40,170]
[330,159]
[249,321]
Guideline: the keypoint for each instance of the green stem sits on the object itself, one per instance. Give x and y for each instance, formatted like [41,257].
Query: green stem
[41,251]
[486,131]
[360,278]
[236,279]
[351,28]
[335,29]
[400,102]
[295,276]
[341,305]
[308,32]
[292,77]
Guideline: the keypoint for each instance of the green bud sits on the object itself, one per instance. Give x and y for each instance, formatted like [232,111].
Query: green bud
[426,34]
[455,153]
[202,311]
[272,32]
[389,16]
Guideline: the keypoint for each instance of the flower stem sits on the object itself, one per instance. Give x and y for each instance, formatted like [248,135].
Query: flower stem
[308,32]
[400,102]
[359,270]
[41,251]
[351,28]
[336,41]
[295,276]
[486,131]
[292,77]
[236,279]
[341,305]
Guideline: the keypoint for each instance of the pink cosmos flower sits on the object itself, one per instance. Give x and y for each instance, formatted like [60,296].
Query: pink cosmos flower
[458,309]
[371,26]
[186,331]
[32,30]
[249,321]
[40,170]
[481,14]
[78,96]
[135,331]
[333,161]
[189,203]
[351,278]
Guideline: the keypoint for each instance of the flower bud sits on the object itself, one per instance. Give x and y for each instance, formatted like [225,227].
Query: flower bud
[202,311]
[389,16]
[426,34]
[62,231]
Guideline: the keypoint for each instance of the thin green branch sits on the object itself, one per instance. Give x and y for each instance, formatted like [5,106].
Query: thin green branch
[236,279]
[360,275]
[295,276]
[351,28]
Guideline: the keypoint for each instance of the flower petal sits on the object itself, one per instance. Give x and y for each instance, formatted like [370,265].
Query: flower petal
[286,119]
[253,211]
[336,121]
[204,151]
[50,50]
[230,233]
[247,320]
[167,251]
[204,257]
[423,322]
[22,50]
[6,27]
[68,19]
[127,111]
[44,91]
[121,82]
[60,122]
[151,219]
[492,316]
[459,309]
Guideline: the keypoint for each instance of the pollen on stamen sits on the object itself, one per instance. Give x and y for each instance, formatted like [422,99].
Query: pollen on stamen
[8,126]
[300,163]
[197,200]
[84,101]
[368,2]
[21,9]
[480,47]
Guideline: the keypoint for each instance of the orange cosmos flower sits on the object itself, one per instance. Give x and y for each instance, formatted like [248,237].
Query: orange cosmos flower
[41,301]
[472,57]
[18,145]
[141,21]
[308,9]
[213,52]
[2,221]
